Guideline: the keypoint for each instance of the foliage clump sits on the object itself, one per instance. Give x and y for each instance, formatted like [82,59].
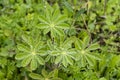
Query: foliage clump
[59,40]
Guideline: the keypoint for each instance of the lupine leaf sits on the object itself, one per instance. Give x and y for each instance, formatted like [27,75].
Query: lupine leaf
[63,26]
[58,59]
[43,19]
[93,46]
[44,73]
[40,60]
[68,6]
[69,60]
[22,47]
[59,31]
[21,56]
[86,41]
[33,64]
[79,44]
[61,19]
[46,30]
[26,61]
[42,26]
[35,76]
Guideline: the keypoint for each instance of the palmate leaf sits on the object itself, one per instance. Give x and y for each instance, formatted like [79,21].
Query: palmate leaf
[84,54]
[53,21]
[62,51]
[84,60]
[33,60]
[31,54]
[88,58]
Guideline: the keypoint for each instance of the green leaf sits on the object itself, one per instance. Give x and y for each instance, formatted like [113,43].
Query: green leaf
[67,43]
[28,40]
[33,64]
[64,62]
[86,41]
[56,13]
[114,61]
[58,59]
[23,48]
[93,46]
[40,60]
[49,43]
[43,19]
[53,33]
[35,76]
[102,78]
[69,60]
[2,74]
[89,60]
[59,31]
[48,13]
[68,6]
[63,26]
[56,79]
[21,56]
[42,26]
[54,73]
[44,73]
[46,30]
[81,11]
[91,27]
[60,20]
[26,61]
[47,58]
[94,56]
[78,44]
[83,61]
